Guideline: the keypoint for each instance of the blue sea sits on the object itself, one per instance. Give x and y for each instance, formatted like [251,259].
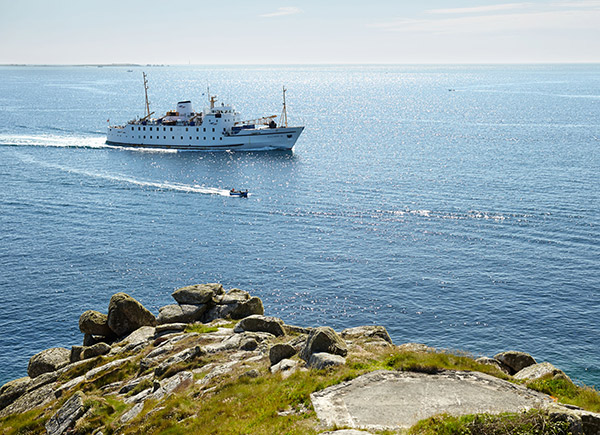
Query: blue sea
[458,206]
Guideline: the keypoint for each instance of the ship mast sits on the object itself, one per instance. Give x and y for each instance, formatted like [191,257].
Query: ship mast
[283,118]
[146,93]
[148,113]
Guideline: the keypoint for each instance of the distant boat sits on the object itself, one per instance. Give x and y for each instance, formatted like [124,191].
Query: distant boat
[216,128]
[239,193]
[129,70]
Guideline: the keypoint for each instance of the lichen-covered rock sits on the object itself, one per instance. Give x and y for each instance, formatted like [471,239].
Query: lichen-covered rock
[10,391]
[580,422]
[280,351]
[321,360]
[234,296]
[181,357]
[372,332]
[493,362]
[94,323]
[515,361]
[48,360]
[139,337]
[248,344]
[540,370]
[168,328]
[95,350]
[247,308]
[259,323]
[286,367]
[125,314]
[198,294]
[31,399]
[170,314]
[415,347]
[66,416]
[186,313]
[76,353]
[323,339]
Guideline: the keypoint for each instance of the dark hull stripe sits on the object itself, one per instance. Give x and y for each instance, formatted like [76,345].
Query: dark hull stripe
[176,147]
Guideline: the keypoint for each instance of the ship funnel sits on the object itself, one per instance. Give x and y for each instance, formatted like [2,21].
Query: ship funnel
[185,108]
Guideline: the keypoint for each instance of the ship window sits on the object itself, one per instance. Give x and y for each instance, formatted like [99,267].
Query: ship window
[164,128]
[190,137]
[144,137]
[204,130]
[144,128]
[150,128]
[186,129]
[171,128]
[220,138]
[164,137]
[150,137]
[204,137]
[196,128]
[213,129]
[173,137]
[181,137]
[197,137]
[132,128]
[213,138]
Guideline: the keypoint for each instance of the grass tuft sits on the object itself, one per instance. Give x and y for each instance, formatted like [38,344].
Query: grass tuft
[567,392]
[533,422]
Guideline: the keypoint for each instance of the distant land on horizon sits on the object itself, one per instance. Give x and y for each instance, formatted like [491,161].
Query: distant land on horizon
[118,65]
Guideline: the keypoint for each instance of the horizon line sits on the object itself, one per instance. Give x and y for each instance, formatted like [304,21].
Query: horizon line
[117,65]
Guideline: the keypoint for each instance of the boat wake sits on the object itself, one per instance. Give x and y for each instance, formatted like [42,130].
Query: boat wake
[117,178]
[50,140]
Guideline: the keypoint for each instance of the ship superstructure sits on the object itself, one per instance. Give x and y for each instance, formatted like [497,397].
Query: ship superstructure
[217,127]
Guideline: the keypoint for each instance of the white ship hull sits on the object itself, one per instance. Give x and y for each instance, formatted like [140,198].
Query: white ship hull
[193,138]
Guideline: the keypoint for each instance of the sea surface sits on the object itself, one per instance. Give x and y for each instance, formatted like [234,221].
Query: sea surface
[458,206]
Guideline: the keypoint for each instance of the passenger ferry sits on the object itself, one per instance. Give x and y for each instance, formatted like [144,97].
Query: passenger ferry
[216,128]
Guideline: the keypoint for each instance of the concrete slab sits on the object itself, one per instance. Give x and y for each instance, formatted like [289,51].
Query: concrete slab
[397,400]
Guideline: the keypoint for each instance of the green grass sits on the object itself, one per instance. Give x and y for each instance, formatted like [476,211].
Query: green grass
[201,328]
[567,392]
[31,422]
[533,422]
[433,362]
[103,411]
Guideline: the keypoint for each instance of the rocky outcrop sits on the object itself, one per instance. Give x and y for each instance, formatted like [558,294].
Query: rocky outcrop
[323,339]
[180,313]
[368,333]
[208,302]
[125,315]
[537,371]
[322,360]
[258,323]
[12,390]
[515,361]
[94,323]
[280,351]
[493,362]
[66,416]
[198,294]
[48,360]
[145,367]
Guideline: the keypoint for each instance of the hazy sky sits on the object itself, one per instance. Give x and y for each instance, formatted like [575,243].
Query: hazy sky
[301,31]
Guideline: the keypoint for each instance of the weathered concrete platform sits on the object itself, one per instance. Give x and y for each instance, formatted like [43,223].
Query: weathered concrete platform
[394,400]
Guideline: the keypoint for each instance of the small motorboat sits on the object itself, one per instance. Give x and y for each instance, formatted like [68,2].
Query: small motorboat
[239,193]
